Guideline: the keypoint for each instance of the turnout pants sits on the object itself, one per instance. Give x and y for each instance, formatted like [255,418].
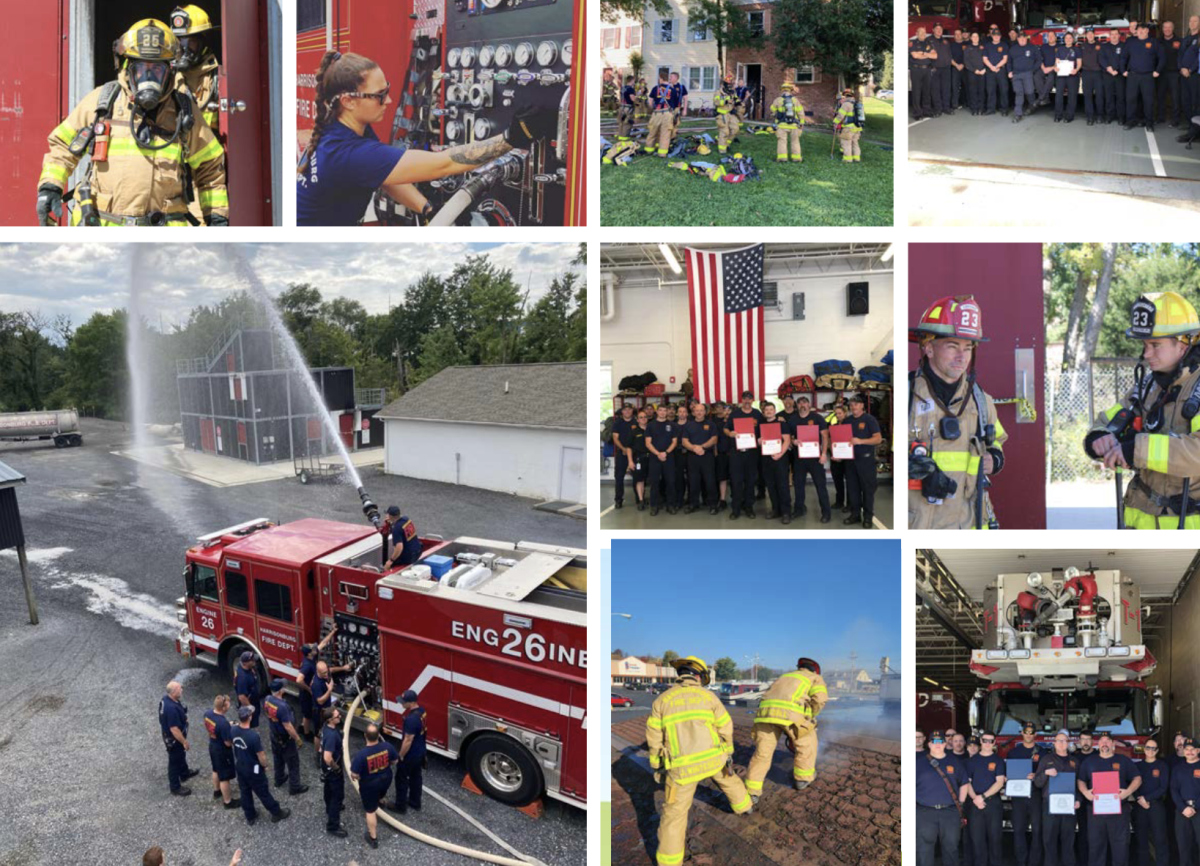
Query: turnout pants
[922,84]
[743,473]
[408,781]
[624,122]
[766,740]
[661,126]
[787,138]
[1058,836]
[1109,832]
[727,128]
[335,798]
[850,150]
[1027,815]
[255,785]
[1068,89]
[985,828]
[1168,85]
[997,90]
[1151,826]
[1023,91]
[661,470]
[620,468]
[1139,85]
[942,89]
[677,802]
[775,476]
[810,467]
[177,765]
[1114,96]
[1093,96]
[975,91]
[938,827]
[287,762]
[1187,836]
[860,485]
[702,470]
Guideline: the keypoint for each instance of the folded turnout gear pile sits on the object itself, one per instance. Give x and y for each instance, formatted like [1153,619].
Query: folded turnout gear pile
[731,169]
[797,385]
[636,384]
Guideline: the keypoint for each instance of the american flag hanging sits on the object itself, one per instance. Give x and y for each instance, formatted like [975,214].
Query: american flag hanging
[725,297]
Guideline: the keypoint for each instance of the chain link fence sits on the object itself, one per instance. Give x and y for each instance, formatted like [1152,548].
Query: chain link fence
[1073,399]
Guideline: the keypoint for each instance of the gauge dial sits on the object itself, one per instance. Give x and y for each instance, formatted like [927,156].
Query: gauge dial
[483,128]
[468,57]
[486,53]
[566,51]
[453,129]
[504,55]
[452,57]
[547,53]
[524,54]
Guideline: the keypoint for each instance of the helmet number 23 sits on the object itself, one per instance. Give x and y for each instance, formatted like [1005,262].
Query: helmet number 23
[1141,318]
[970,319]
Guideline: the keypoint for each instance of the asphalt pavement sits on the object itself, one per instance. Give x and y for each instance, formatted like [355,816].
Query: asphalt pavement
[83,766]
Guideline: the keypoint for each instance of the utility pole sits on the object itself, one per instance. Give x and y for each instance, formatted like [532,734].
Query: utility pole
[755,661]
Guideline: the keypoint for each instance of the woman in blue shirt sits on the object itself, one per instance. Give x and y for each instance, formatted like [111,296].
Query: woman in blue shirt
[345,162]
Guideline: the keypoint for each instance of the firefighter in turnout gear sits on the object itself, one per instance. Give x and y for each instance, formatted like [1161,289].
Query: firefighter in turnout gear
[146,149]
[725,102]
[662,117]
[956,439]
[788,709]
[789,117]
[847,126]
[690,738]
[1154,431]
[197,65]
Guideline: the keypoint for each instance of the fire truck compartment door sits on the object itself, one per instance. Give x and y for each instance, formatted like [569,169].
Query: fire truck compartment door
[523,578]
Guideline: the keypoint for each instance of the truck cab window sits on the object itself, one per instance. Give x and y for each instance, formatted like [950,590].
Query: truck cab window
[237,594]
[273,600]
[206,582]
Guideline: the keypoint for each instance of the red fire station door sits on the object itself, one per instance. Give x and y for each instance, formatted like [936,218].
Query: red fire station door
[346,429]
[246,110]
[208,440]
[1006,280]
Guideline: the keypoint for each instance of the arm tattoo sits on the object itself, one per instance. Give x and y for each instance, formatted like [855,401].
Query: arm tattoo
[479,152]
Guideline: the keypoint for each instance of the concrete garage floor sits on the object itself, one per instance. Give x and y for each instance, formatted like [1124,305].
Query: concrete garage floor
[630,518]
[79,745]
[984,170]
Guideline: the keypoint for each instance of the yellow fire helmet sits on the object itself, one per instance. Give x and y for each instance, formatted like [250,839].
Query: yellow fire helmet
[148,39]
[787,85]
[693,664]
[1163,314]
[189,20]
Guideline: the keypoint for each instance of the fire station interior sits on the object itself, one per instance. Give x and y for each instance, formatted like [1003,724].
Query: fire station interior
[958,602]
[821,301]
[108,21]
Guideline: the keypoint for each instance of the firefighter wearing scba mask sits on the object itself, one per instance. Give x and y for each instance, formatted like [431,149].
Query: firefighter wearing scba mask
[690,738]
[146,149]
[847,126]
[197,66]
[956,439]
[789,117]
[788,709]
[1154,431]
[727,123]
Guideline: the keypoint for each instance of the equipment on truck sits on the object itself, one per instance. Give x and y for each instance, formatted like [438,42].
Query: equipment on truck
[61,425]
[492,635]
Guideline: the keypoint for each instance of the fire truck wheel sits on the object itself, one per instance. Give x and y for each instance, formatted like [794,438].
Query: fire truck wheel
[504,770]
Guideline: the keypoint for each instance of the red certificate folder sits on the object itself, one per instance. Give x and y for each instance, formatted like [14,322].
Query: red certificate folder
[839,435]
[808,441]
[772,438]
[1106,786]
[743,428]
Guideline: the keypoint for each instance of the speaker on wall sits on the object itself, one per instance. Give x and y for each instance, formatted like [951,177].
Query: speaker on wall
[858,299]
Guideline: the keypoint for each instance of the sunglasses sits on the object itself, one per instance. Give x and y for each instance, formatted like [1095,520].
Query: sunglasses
[1151,748]
[987,742]
[380,95]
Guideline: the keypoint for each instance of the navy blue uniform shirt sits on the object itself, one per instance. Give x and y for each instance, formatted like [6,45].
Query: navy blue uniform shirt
[336,186]
[1025,58]
[414,723]
[319,688]
[219,730]
[864,428]
[373,764]
[1115,764]
[1146,55]
[982,771]
[995,52]
[1171,48]
[919,46]
[956,52]
[662,433]
[246,746]
[699,432]
[1156,779]
[331,741]
[1065,53]
[680,93]
[172,714]
[406,544]
[662,97]
[246,683]
[1115,56]
[737,412]
[622,428]
[627,95]
[931,790]
[1185,785]
[1089,52]
[279,714]
[1048,54]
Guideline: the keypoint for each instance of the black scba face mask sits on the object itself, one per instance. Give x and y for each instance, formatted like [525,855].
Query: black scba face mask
[148,78]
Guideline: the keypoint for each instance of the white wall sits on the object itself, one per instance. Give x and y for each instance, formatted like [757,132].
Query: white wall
[523,461]
[651,329]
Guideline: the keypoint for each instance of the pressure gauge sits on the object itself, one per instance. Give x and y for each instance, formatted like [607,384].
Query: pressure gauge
[452,57]
[483,128]
[468,57]
[453,130]
[486,53]
[352,627]
[524,55]
[504,55]
[566,52]
[547,53]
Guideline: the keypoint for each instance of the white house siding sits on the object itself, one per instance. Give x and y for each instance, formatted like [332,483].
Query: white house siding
[524,461]
[681,55]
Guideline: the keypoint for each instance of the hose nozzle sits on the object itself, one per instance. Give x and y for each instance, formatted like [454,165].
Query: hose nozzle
[369,508]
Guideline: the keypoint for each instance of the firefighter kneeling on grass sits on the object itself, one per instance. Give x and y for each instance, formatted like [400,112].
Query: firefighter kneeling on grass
[789,117]
[1154,432]
[957,439]
[727,122]
[789,709]
[145,143]
[690,738]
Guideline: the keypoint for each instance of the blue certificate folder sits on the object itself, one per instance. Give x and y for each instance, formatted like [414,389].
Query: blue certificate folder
[1062,792]
[1016,769]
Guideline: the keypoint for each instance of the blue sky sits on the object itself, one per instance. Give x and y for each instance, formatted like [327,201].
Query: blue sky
[79,279]
[780,599]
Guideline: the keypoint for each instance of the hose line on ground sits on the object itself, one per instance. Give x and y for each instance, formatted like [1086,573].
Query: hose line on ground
[422,837]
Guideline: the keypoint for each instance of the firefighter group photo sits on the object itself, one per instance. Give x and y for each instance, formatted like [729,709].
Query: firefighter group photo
[748,740]
[749,384]
[127,122]
[331,608]
[719,113]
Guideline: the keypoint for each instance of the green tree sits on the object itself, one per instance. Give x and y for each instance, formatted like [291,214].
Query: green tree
[612,11]
[439,350]
[299,305]
[846,39]
[485,304]
[725,668]
[30,358]
[98,378]
[669,656]
[728,22]
[347,314]
[546,330]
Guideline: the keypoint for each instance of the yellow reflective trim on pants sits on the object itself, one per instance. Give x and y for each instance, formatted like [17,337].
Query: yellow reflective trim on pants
[1195,424]
[124,146]
[802,774]
[698,777]
[1138,519]
[956,461]
[53,172]
[668,859]
[1158,447]
[1112,411]
[742,805]
[64,133]
[751,785]
[214,198]
[210,151]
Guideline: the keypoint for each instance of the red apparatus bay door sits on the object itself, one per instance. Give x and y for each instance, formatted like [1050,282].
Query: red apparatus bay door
[246,110]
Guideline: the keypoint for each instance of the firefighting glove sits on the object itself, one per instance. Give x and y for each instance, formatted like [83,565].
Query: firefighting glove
[49,204]
[938,485]
[216,220]
[920,468]
[660,777]
[529,124]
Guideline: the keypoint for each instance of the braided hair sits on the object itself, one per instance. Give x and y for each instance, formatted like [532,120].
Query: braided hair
[338,73]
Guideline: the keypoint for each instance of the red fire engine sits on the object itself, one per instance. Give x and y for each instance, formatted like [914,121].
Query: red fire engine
[1034,17]
[491,634]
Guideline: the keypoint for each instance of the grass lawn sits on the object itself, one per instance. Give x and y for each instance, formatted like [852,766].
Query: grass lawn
[817,192]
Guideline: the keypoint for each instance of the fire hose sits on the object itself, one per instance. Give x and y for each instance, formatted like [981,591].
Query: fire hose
[524,860]
[506,167]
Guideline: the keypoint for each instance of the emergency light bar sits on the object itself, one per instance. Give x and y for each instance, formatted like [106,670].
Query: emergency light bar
[239,529]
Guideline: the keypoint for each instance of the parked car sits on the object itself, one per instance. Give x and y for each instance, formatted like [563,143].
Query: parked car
[619,701]
[637,687]
[659,688]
